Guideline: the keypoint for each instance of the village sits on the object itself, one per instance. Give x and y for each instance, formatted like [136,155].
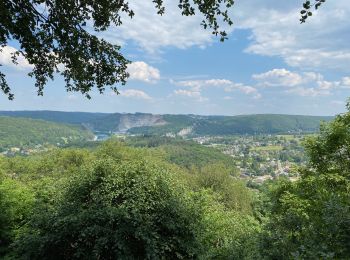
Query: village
[261,157]
[258,158]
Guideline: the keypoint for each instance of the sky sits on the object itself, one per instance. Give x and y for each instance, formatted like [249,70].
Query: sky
[270,64]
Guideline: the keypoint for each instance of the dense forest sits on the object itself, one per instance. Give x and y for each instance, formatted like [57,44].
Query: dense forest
[183,153]
[141,123]
[161,198]
[102,186]
[231,125]
[25,132]
[56,116]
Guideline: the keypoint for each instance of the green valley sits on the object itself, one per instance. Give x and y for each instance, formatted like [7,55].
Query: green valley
[182,196]
[180,130]
[180,125]
[17,134]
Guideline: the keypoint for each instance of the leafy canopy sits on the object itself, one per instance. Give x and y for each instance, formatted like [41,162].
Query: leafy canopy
[53,37]
[307,8]
[115,202]
[311,217]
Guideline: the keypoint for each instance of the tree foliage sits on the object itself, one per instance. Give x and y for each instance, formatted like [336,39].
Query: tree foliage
[23,132]
[231,192]
[307,8]
[116,202]
[115,211]
[56,36]
[311,217]
[232,125]
[16,202]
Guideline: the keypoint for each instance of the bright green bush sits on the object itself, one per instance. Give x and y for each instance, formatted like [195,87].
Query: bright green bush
[310,219]
[121,202]
[16,202]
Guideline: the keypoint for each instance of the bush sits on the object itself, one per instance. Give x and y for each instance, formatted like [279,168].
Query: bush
[16,203]
[134,209]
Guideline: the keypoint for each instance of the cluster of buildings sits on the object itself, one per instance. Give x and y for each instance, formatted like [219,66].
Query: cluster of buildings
[13,151]
[261,158]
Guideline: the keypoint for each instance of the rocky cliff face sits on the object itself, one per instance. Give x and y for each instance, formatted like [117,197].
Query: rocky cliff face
[121,123]
[128,121]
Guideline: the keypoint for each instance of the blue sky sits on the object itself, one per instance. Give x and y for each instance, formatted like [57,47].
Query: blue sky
[270,64]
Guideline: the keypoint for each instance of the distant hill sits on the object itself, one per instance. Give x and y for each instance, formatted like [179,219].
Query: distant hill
[184,153]
[56,116]
[259,124]
[232,125]
[28,132]
[142,123]
[123,122]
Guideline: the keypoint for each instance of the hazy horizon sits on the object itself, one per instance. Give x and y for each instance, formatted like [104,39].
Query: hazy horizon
[143,112]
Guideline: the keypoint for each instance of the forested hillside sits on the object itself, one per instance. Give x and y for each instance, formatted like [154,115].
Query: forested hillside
[238,169]
[56,116]
[121,123]
[142,123]
[184,153]
[259,124]
[232,125]
[155,197]
[24,132]
[120,202]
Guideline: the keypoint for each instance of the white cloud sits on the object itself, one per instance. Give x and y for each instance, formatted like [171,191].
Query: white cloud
[140,70]
[247,89]
[6,59]
[312,76]
[199,84]
[153,32]
[225,84]
[190,94]
[327,85]
[134,93]
[278,77]
[308,92]
[217,82]
[303,84]
[319,59]
[345,82]
[320,43]
[195,85]
[239,86]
